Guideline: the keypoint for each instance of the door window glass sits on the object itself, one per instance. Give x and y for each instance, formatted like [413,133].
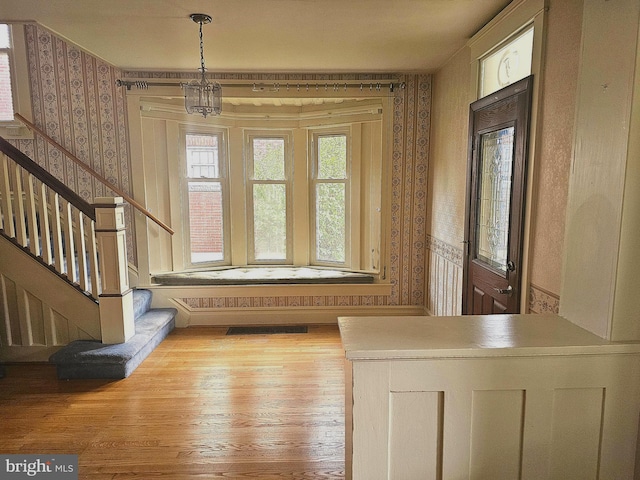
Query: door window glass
[494,197]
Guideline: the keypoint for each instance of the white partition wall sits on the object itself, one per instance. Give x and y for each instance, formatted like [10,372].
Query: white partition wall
[488,397]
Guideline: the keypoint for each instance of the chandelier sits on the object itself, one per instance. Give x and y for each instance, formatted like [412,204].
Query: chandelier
[202,96]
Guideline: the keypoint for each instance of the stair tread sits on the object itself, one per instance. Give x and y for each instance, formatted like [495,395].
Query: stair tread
[95,352]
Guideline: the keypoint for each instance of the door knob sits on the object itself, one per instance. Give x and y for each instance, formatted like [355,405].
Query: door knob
[504,291]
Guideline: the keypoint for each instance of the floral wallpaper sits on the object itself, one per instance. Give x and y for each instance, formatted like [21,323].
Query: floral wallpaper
[76,102]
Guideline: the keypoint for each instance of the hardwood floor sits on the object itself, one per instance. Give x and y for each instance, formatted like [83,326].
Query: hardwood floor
[202,405]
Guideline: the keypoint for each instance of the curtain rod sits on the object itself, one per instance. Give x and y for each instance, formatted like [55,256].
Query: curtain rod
[262,86]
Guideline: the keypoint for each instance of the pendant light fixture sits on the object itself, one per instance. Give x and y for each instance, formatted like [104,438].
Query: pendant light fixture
[201,96]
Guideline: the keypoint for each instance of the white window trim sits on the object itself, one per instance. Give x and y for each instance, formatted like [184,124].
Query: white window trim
[224,181]
[20,89]
[349,196]
[285,135]
[371,254]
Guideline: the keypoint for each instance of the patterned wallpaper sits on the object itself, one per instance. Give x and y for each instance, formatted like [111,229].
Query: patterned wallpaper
[75,100]
[411,125]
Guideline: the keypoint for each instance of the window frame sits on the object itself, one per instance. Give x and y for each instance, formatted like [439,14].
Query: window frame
[20,91]
[223,179]
[369,149]
[287,137]
[315,135]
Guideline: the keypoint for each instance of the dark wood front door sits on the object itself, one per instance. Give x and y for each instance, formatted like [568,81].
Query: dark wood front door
[498,146]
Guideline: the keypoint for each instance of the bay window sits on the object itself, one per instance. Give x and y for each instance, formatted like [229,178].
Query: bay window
[301,190]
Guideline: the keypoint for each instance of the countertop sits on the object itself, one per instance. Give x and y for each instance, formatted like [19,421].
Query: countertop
[406,337]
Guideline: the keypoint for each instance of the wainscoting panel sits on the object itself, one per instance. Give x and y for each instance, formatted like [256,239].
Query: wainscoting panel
[39,312]
[496,434]
[444,296]
[577,425]
[508,418]
[415,435]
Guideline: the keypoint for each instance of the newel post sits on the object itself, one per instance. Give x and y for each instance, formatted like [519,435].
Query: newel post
[116,299]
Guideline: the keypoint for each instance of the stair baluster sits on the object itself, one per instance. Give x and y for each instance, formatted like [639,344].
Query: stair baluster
[44,217]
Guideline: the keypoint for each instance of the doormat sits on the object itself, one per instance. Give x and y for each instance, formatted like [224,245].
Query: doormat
[265,330]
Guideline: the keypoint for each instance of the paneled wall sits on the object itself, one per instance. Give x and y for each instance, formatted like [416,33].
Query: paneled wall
[39,312]
[445,278]
[530,417]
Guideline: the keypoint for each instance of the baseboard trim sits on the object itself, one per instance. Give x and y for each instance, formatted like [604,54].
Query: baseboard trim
[26,354]
[282,316]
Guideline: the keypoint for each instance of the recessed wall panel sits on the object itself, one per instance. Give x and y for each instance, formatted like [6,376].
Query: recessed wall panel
[496,434]
[10,294]
[35,319]
[415,435]
[576,426]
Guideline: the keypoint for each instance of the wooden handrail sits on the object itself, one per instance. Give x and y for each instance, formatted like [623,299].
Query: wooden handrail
[45,177]
[95,174]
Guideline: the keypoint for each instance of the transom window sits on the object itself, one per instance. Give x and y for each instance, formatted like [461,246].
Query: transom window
[508,63]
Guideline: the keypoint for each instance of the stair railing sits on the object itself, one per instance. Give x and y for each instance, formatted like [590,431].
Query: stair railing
[45,217]
[94,174]
[84,244]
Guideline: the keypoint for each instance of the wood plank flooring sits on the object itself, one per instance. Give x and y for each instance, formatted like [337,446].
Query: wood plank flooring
[202,405]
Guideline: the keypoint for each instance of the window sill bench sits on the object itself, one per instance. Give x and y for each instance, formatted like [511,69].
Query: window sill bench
[263,276]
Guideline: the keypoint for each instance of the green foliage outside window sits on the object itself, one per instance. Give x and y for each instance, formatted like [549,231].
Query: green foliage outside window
[331,218]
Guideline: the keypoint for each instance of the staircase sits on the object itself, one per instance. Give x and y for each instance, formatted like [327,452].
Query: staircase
[93,359]
[64,288]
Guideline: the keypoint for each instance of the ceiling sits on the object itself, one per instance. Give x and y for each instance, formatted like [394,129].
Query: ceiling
[264,35]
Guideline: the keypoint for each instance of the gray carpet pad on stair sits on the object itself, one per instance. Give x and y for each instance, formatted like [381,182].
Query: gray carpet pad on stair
[93,359]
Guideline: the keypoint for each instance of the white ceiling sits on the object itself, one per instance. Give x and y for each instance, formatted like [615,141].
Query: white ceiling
[264,35]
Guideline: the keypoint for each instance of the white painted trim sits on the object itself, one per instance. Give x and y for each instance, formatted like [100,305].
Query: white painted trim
[20,85]
[283,316]
[510,20]
[288,290]
[23,354]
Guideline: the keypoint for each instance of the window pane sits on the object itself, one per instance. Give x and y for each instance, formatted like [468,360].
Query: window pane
[332,157]
[270,221]
[494,197]
[4,36]
[268,159]
[330,222]
[507,65]
[206,221]
[202,156]
[6,99]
